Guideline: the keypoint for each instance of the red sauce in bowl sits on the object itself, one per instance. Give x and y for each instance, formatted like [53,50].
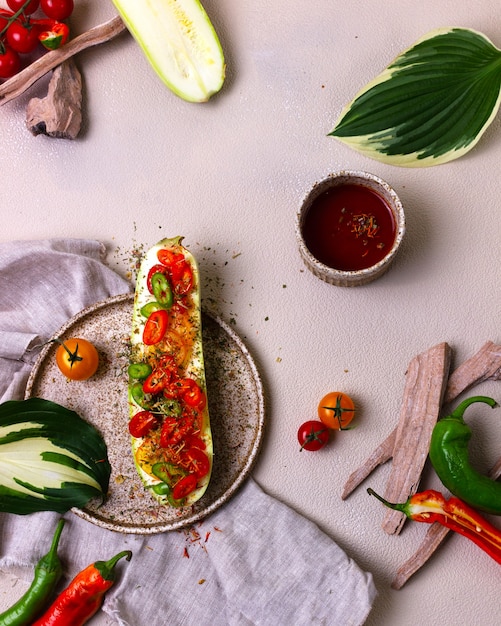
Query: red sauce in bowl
[349,227]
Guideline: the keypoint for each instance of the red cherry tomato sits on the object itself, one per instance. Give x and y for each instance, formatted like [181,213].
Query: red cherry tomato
[156,269]
[174,430]
[155,327]
[141,424]
[193,395]
[15,5]
[10,63]
[22,37]
[312,435]
[57,9]
[197,461]
[184,487]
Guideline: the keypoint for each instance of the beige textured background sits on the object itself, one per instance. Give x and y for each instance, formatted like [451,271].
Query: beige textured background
[229,176]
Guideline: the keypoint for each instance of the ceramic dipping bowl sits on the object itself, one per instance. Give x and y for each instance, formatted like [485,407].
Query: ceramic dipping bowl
[349,228]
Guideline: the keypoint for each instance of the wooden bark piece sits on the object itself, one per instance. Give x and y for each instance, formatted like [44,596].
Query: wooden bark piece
[482,366]
[59,114]
[424,390]
[382,454]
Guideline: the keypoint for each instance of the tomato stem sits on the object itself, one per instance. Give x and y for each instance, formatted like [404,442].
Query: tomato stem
[74,357]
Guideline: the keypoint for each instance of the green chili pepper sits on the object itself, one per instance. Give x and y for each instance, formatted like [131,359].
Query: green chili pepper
[162,290]
[139,371]
[449,457]
[48,572]
[138,395]
[150,307]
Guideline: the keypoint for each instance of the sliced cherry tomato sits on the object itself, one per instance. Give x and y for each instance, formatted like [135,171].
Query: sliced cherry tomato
[169,258]
[183,282]
[336,410]
[77,359]
[184,487]
[312,435]
[174,430]
[197,462]
[142,423]
[194,441]
[15,5]
[192,394]
[155,327]
[10,63]
[22,37]
[156,381]
[57,9]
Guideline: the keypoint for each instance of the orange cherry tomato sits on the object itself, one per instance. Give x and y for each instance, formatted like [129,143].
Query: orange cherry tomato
[77,358]
[336,410]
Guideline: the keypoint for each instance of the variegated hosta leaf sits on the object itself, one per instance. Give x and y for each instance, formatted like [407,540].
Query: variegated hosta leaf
[431,105]
[50,458]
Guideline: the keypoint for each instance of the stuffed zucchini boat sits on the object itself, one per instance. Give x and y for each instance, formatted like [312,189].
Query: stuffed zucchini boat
[169,417]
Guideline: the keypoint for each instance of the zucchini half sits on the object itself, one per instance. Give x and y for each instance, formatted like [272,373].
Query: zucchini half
[169,418]
[180,43]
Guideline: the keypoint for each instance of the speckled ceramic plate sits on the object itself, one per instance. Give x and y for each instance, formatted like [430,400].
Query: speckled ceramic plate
[236,405]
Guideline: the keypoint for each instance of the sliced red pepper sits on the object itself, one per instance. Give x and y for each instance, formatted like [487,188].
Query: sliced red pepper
[431,506]
[156,381]
[155,327]
[184,487]
[56,37]
[142,423]
[196,461]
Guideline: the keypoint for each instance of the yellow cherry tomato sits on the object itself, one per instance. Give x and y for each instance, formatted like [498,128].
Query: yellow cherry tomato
[77,358]
[336,410]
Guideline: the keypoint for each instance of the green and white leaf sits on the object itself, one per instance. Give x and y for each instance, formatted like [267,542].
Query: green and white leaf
[50,458]
[431,105]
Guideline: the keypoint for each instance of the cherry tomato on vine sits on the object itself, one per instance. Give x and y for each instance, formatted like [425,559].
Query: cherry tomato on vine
[57,9]
[77,358]
[22,37]
[312,435]
[15,5]
[336,410]
[10,63]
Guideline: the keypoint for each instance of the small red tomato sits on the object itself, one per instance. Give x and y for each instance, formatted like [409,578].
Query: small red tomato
[57,9]
[10,63]
[184,487]
[141,424]
[22,37]
[15,5]
[197,461]
[312,435]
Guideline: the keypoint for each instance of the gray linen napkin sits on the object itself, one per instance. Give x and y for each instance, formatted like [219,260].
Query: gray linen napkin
[255,561]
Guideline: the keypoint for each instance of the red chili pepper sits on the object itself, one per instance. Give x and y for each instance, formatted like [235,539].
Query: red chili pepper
[56,37]
[431,506]
[84,595]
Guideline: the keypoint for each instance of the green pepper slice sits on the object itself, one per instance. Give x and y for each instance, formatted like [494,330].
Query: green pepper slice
[150,307]
[162,290]
[139,371]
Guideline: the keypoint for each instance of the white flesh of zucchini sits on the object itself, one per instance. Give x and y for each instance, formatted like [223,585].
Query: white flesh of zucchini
[180,42]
